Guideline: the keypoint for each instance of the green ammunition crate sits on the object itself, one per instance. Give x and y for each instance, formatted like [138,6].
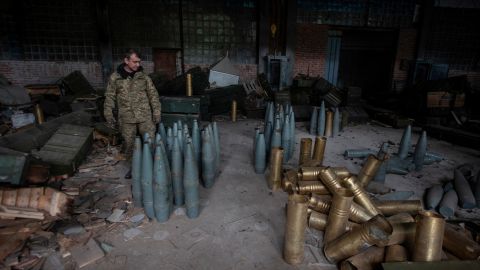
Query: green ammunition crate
[67,148]
[180,105]
[13,166]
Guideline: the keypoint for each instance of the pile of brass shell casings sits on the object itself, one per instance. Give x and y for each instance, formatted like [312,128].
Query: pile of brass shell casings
[359,231]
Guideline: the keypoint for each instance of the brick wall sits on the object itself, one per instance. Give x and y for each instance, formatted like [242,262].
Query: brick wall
[310,49]
[405,52]
[39,72]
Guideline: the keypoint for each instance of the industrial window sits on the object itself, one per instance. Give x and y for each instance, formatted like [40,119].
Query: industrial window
[211,28]
[59,30]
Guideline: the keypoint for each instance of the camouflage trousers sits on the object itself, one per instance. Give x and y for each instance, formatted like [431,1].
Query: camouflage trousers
[129,131]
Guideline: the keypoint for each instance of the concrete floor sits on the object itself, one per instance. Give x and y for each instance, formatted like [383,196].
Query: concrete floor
[241,224]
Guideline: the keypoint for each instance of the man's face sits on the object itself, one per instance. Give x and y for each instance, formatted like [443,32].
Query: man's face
[132,63]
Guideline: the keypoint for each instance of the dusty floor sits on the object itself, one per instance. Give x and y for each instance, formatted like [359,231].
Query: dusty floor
[241,223]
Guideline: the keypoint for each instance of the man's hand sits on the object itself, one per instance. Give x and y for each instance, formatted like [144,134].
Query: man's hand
[110,120]
[156,118]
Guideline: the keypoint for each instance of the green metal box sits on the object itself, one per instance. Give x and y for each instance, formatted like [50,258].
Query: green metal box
[180,105]
[67,148]
[13,165]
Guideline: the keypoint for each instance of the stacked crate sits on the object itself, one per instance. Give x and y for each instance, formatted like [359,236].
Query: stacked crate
[180,108]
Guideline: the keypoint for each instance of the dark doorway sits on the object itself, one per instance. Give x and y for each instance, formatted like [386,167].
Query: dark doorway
[166,62]
[366,61]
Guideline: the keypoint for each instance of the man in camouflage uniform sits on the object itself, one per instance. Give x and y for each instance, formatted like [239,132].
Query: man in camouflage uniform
[135,96]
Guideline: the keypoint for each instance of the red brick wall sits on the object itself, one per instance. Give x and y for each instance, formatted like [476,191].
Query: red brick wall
[38,72]
[310,49]
[405,52]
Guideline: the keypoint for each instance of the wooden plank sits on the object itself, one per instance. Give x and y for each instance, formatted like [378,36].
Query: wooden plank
[20,212]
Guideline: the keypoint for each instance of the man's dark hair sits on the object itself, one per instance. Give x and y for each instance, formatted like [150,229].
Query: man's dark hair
[129,52]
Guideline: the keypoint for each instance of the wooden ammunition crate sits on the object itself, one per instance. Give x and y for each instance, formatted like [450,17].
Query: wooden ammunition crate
[443,100]
[67,148]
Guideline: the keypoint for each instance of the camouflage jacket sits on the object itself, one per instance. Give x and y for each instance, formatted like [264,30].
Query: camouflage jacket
[135,97]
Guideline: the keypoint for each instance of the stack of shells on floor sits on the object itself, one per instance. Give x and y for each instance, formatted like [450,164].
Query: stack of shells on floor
[166,170]
[359,232]
[327,123]
[403,162]
[463,191]
[277,137]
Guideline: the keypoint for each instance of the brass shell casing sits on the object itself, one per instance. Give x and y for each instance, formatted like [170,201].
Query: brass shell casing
[361,196]
[189,85]
[39,114]
[369,170]
[396,253]
[341,172]
[338,215]
[357,213]
[309,187]
[233,112]
[319,149]
[318,221]
[293,249]
[329,179]
[310,173]
[456,242]
[429,234]
[373,232]
[329,124]
[305,150]
[403,233]
[389,208]
[289,181]
[274,178]
[369,259]
[401,218]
